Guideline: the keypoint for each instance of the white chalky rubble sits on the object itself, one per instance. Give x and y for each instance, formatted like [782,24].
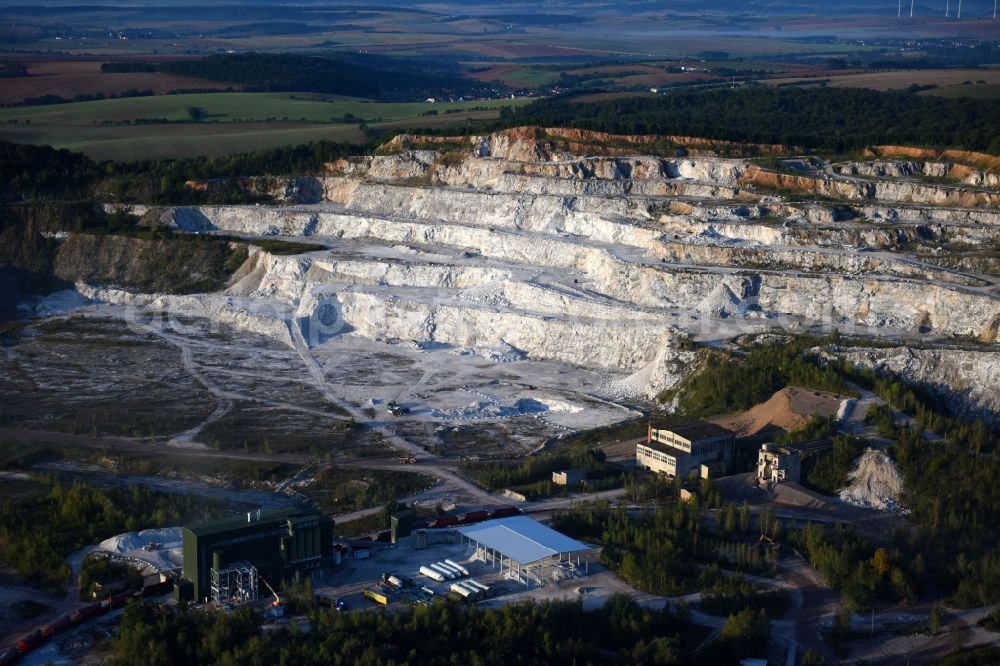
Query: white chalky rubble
[875,483]
[518,251]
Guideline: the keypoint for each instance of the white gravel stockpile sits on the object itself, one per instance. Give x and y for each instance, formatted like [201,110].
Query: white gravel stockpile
[124,543]
[874,483]
[168,555]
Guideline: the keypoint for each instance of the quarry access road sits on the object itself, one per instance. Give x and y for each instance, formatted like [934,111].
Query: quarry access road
[319,380]
[443,470]
[813,600]
[959,625]
[854,423]
[187,439]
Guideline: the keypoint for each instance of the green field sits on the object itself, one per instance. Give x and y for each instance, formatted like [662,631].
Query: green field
[231,122]
[981,91]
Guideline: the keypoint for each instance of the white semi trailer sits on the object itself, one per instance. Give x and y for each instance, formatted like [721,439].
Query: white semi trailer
[463,570]
[432,574]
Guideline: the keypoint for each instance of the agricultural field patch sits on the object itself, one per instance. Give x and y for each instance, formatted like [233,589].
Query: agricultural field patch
[128,143]
[159,127]
[973,91]
[69,78]
[517,76]
[948,82]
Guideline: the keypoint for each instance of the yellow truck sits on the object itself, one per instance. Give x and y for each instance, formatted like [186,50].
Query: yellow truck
[376,596]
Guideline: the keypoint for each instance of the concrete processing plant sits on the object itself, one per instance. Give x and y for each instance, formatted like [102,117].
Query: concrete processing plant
[223,558]
[682,450]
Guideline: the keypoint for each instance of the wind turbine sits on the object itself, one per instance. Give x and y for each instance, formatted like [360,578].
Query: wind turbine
[947,8]
[899,12]
[911,8]
[959,10]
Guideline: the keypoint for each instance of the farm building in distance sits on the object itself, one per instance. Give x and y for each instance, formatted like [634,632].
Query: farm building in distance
[279,544]
[680,450]
[523,544]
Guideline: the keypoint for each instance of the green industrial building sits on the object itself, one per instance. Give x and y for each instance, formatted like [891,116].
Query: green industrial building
[281,544]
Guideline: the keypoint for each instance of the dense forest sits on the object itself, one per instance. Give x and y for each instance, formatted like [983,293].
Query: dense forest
[864,574]
[828,472]
[443,633]
[817,119]
[664,550]
[950,488]
[299,73]
[38,533]
[729,382]
[30,172]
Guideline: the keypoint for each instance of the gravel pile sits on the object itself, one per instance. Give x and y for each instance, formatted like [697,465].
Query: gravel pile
[875,483]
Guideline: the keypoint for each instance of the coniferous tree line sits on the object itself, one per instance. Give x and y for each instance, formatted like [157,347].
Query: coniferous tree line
[443,633]
[664,550]
[38,533]
[730,382]
[34,173]
[830,119]
[284,72]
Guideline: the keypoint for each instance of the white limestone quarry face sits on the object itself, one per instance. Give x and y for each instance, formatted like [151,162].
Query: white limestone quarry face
[267,318]
[712,170]
[927,215]
[911,192]
[873,301]
[596,344]
[765,234]
[910,169]
[598,263]
[968,380]
[708,252]
[886,231]
[485,208]
[487,287]
[982,179]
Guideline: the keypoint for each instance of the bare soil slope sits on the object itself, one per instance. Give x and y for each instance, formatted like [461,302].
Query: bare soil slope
[789,408]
